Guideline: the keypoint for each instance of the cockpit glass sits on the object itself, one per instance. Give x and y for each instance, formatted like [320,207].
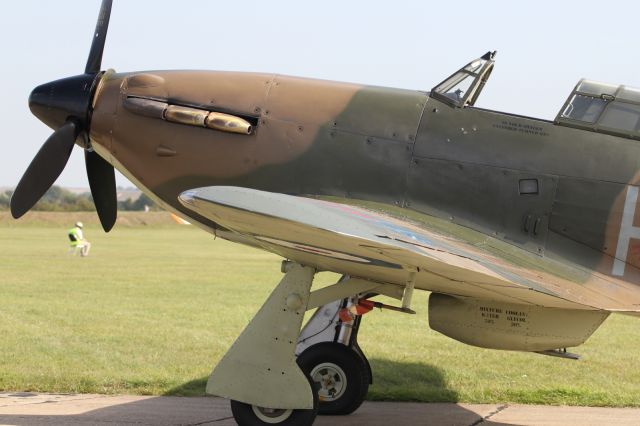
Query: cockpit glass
[457,86]
[603,108]
[475,65]
[463,87]
[622,116]
[584,108]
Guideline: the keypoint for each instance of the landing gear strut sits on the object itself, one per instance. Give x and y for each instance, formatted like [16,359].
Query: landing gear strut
[329,354]
[260,373]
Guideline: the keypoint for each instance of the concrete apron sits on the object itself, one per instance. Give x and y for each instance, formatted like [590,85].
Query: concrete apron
[23,408]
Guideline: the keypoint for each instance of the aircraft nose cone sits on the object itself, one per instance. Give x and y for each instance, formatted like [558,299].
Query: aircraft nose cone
[53,103]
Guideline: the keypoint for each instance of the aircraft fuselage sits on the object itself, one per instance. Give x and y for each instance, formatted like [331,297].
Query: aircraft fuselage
[556,191]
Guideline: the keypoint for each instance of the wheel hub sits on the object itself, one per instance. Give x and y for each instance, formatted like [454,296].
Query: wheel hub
[271,415]
[332,380]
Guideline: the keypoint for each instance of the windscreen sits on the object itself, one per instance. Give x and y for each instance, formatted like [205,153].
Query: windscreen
[463,87]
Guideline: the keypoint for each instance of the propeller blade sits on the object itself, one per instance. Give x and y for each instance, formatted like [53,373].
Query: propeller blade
[99,36]
[44,169]
[102,180]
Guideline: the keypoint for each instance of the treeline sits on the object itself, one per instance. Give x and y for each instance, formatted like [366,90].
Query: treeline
[58,199]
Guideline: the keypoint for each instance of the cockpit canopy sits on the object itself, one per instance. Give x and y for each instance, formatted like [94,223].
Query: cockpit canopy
[463,87]
[603,108]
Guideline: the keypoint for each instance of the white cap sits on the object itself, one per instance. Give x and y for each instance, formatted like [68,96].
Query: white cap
[79,224]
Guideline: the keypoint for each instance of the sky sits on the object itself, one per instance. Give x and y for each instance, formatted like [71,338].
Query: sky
[544,48]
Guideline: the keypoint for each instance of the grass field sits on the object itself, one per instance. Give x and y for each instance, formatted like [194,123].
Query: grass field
[155,306]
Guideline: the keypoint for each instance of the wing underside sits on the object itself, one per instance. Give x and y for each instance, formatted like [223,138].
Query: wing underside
[375,246]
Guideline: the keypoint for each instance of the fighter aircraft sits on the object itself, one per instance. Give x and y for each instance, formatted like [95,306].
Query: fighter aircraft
[523,230]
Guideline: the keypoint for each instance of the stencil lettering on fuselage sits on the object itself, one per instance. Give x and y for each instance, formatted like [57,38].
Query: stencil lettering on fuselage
[627,231]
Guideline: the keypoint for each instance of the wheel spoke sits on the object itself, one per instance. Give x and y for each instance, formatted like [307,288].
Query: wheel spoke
[340,372]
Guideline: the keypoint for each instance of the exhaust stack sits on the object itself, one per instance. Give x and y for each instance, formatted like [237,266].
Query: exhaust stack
[188,115]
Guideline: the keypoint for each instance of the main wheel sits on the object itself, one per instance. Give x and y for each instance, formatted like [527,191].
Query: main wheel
[252,415]
[341,373]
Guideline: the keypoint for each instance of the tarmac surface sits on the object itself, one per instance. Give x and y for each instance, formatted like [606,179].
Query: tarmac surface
[22,408]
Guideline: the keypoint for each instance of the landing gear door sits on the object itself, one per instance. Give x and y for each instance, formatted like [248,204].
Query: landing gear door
[463,87]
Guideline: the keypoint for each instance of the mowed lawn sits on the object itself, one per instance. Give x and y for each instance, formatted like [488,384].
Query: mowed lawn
[154,307]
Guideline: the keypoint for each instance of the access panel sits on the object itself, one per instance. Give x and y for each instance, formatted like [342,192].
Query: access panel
[508,204]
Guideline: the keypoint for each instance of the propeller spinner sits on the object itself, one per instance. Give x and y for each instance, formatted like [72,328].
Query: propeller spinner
[65,106]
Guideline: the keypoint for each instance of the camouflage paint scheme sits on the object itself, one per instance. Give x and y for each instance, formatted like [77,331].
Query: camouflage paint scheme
[523,229]
[450,172]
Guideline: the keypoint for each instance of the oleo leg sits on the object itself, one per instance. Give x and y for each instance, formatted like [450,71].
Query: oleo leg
[260,367]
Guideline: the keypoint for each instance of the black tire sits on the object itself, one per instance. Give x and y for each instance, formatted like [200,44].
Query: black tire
[365,361]
[249,415]
[342,374]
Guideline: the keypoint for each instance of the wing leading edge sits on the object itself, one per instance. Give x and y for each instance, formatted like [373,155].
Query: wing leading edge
[375,246]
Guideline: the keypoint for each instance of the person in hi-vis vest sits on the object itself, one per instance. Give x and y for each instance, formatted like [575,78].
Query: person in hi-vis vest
[77,240]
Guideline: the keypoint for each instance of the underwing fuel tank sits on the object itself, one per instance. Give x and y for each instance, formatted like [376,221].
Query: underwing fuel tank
[510,326]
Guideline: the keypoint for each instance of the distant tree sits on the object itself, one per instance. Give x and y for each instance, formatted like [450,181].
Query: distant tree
[5,198]
[84,204]
[125,205]
[137,204]
[142,201]
[60,199]
[56,199]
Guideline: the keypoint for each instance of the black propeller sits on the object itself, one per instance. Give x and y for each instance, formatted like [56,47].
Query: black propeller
[102,182]
[94,61]
[65,106]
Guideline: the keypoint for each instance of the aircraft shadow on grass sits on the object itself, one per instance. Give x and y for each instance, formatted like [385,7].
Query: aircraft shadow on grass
[407,380]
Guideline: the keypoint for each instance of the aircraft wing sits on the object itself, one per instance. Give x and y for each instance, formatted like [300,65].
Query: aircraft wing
[376,246]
